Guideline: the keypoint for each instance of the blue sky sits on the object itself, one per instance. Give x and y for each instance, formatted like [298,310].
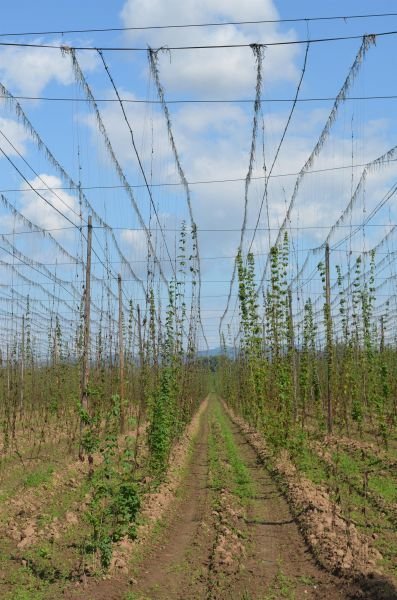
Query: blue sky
[213,141]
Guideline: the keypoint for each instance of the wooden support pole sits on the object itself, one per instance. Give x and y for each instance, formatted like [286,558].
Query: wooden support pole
[382,334]
[293,356]
[8,375]
[141,384]
[121,356]
[85,363]
[21,400]
[328,325]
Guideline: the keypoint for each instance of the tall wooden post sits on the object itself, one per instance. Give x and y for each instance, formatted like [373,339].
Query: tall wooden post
[8,376]
[293,356]
[328,326]
[121,357]
[382,334]
[85,364]
[142,383]
[22,365]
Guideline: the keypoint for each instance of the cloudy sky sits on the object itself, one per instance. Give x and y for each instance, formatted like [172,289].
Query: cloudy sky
[213,141]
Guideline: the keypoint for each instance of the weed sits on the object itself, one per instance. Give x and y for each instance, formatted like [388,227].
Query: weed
[243,484]
[135,596]
[281,587]
[38,477]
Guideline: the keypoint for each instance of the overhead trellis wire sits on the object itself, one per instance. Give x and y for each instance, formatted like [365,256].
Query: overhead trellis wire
[269,174]
[111,79]
[258,52]
[67,48]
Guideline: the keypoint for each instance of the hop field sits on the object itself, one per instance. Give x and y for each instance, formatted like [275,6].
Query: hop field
[198,344]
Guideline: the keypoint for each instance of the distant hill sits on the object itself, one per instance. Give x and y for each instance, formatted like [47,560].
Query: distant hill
[216,352]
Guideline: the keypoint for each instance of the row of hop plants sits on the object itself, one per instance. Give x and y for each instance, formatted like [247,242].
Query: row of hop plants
[316,377]
[170,383]
[160,375]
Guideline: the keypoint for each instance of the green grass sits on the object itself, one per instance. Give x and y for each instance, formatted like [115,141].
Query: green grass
[307,580]
[20,584]
[49,564]
[351,484]
[308,462]
[282,586]
[346,481]
[217,475]
[24,594]
[354,467]
[242,482]
[346,464]
[63,501]
[385,487]
[135,596]
[38,477]
[387,546]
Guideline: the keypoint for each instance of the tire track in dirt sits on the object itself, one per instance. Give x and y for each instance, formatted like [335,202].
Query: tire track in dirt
[177,567]
[277,560]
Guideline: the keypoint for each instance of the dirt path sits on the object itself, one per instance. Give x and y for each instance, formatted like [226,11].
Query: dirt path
[229,535]
[268,558]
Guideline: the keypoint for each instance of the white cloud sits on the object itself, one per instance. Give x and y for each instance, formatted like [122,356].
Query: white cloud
[135,240]
[138,13]
[17,135]
[218,120]
[40,212]
[220,72]
[29,70]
